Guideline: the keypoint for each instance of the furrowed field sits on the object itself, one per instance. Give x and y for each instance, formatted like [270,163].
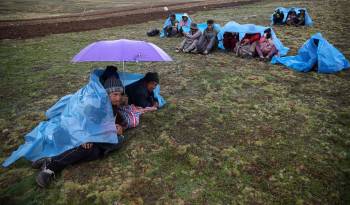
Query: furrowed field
[234,131]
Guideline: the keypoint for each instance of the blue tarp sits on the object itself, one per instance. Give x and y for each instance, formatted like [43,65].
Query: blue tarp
[308,20]
[327,58]
[178,18]
[85,116]
[242,29]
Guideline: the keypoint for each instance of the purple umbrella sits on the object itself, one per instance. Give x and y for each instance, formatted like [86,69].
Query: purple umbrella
[122,50]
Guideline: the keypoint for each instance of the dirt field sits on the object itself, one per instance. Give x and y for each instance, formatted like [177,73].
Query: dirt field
[105,18]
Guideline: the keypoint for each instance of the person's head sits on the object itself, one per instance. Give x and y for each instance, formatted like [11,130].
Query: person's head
[292,13]
[267,33]
[194,27]
[210,24]
[172,17]
[152,80]
[114,89]
[185,17]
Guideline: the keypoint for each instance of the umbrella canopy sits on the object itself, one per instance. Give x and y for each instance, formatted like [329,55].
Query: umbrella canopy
[122,50]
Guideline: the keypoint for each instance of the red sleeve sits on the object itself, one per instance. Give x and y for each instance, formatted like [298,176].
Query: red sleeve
[254,38]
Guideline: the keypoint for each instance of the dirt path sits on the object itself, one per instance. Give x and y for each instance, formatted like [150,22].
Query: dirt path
[31,28]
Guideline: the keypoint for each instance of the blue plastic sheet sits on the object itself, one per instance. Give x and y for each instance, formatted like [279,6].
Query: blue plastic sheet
[325,56]
[178,18]
[243,29]
[308,20]
[85,116]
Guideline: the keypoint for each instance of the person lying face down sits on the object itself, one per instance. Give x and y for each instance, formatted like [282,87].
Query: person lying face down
[140,93]
[266,49]
[171,29]
[191,39]
[208,40]
[278,17]
[88,151]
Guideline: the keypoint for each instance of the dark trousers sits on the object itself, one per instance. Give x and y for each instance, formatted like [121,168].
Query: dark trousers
[79,154]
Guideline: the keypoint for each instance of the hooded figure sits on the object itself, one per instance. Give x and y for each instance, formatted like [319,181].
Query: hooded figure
[191,39]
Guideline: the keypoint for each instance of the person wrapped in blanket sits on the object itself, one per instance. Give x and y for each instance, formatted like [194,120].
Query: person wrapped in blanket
[230,41]
[125,117]
[265,48]
[171,29]
[301,18]
[191,39]
[278,17]
[208,40]
[292,18]
[184,22]
[246,47]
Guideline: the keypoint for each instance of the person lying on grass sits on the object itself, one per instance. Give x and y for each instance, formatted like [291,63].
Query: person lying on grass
[246,47]
[86,152]
[140,93]
[191,39]
[171,29]
[265,48]
[126,116]
[208,39]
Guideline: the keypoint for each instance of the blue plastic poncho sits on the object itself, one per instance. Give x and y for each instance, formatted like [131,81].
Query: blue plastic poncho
[327,58]
[243,29]
[178,18]
[85,116]
[308,20]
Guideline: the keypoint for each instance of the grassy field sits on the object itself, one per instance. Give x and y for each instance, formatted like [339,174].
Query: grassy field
[24,9]
[234,131]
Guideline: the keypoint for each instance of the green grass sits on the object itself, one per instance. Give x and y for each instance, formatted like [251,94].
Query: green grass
[234,131]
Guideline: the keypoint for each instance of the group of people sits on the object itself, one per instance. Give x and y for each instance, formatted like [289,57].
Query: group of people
[127,104]
[195,41]
[251,45]
[293,18]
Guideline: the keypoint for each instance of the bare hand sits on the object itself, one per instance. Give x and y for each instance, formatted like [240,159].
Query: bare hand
[87,145]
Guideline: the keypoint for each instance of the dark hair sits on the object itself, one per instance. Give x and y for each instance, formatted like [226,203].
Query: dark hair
[210,21]
[268,30]
[108,72]
[173,15]
[152,76]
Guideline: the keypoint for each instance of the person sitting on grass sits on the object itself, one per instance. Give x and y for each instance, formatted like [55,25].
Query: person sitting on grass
[50,166]
[265,48]
[171,29]
[301,18]
[140,93]
[292,18]
[191,39]
[208,39]
[230,41]
[246,47]
[278,17]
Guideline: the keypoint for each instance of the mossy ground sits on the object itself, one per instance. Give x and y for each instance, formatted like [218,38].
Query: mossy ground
[234,131]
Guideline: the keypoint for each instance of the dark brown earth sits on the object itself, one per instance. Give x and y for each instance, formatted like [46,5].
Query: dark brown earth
[30,28]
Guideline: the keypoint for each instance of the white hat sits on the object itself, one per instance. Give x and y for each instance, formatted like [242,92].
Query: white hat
[185,14]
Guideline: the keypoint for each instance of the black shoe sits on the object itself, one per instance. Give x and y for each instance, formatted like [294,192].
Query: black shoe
[41,163]
[45,177]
